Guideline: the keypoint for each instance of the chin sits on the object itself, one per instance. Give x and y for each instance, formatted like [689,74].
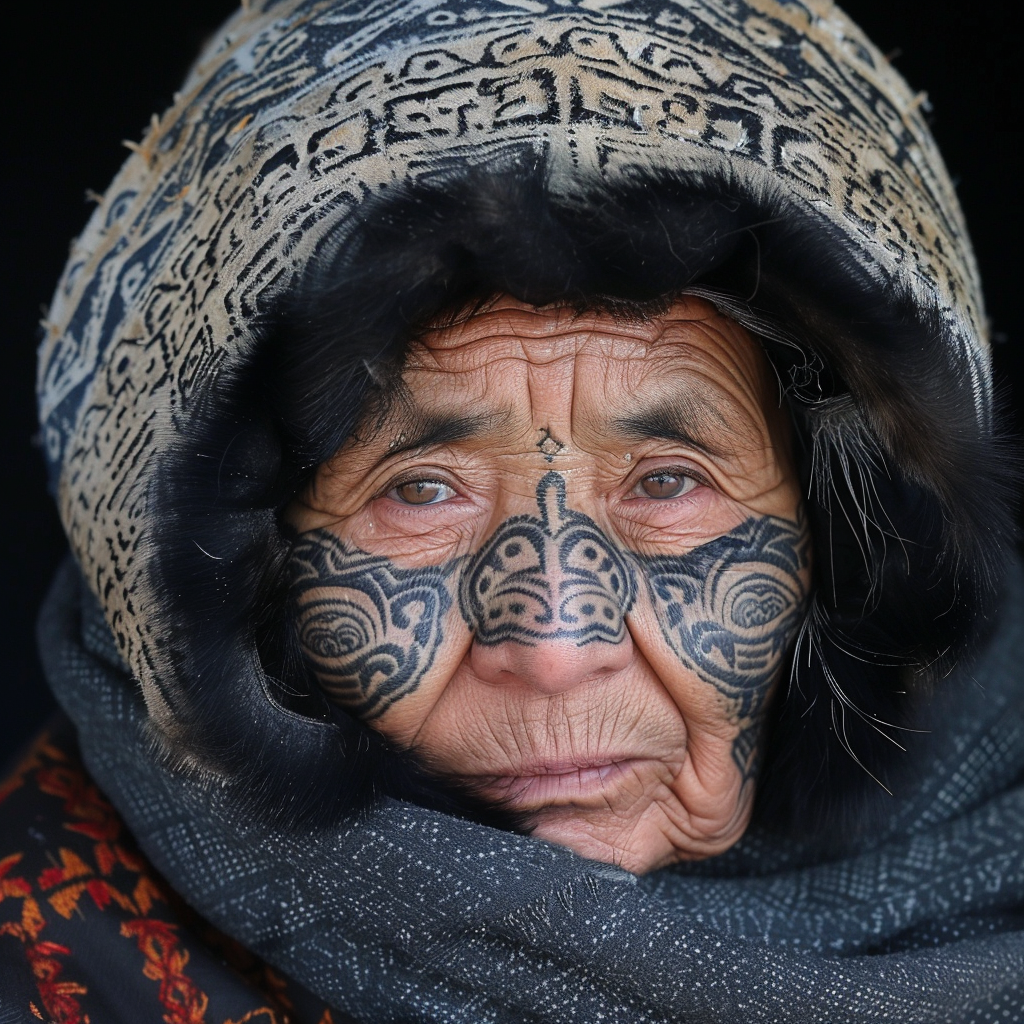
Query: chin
[639,840]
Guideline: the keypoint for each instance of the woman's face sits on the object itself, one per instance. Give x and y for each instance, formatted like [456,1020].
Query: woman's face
[565,566]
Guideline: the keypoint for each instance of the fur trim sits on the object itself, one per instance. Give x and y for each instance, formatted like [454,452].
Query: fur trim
[331,175]
[907,493]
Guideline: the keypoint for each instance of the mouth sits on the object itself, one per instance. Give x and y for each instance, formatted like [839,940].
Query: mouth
[554,783]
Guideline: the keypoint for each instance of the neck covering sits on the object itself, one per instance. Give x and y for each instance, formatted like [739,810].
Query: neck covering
[405,914]
[329,175]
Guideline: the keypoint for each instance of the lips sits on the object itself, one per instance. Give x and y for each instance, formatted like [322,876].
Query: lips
[554,783]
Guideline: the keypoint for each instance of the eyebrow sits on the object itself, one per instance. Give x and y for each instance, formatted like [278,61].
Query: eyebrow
[419,429]
[675,421]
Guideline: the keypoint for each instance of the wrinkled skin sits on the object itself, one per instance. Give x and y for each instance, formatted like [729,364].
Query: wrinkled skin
[566,568]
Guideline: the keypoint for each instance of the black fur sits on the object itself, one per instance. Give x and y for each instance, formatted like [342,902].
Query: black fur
[908,496]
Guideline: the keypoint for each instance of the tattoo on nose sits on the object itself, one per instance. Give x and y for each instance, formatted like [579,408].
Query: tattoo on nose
[730,609]
[369,629]
[556,577]
[548,445]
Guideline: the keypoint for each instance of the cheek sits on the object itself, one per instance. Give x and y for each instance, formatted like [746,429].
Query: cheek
[378,637]
[726,612]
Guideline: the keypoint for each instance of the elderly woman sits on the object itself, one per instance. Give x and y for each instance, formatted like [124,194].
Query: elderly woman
[540,541]
[565,567]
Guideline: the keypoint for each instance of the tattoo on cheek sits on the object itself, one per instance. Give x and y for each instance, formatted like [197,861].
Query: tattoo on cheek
[370,630]
[729,610]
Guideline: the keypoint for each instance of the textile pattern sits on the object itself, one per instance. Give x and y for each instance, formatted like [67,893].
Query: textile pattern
[410,915]
[90,933]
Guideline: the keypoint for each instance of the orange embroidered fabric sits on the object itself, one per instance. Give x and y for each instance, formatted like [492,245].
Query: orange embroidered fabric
[90,934]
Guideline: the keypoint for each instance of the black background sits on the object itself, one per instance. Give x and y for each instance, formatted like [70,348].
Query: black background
[79,78]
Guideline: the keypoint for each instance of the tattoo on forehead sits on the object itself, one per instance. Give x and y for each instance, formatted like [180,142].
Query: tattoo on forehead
[548,445]
[728,609]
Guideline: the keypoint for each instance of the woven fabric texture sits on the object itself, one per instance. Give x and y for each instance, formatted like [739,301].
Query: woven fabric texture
[300,110]
[409,915]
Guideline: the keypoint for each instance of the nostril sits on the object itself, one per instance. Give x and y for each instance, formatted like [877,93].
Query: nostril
[549,666]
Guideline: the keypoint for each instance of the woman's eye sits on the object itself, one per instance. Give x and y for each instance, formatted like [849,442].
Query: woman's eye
[421,492]
[665,485]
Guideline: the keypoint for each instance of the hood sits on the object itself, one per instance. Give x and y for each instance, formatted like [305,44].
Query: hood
[332,172]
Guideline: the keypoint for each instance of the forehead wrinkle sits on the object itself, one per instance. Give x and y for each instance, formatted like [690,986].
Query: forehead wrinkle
[504,315]
[551,389]
[733,368]
[685,393]
[719,387]
[550,347]
[731,350]
[718,366]
[515,320]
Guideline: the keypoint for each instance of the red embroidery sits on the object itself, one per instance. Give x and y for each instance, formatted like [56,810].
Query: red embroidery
[58,996]
[165,963]
[106,875]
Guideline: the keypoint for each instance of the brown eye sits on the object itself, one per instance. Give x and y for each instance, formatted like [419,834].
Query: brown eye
[421,492]
[666,484]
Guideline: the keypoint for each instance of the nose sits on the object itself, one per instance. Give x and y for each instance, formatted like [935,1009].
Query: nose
[550,665]
[546,599]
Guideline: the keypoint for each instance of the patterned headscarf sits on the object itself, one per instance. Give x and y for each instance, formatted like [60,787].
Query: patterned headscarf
[302,115]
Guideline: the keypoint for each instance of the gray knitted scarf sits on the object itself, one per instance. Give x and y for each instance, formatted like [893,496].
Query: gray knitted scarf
[410,915]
